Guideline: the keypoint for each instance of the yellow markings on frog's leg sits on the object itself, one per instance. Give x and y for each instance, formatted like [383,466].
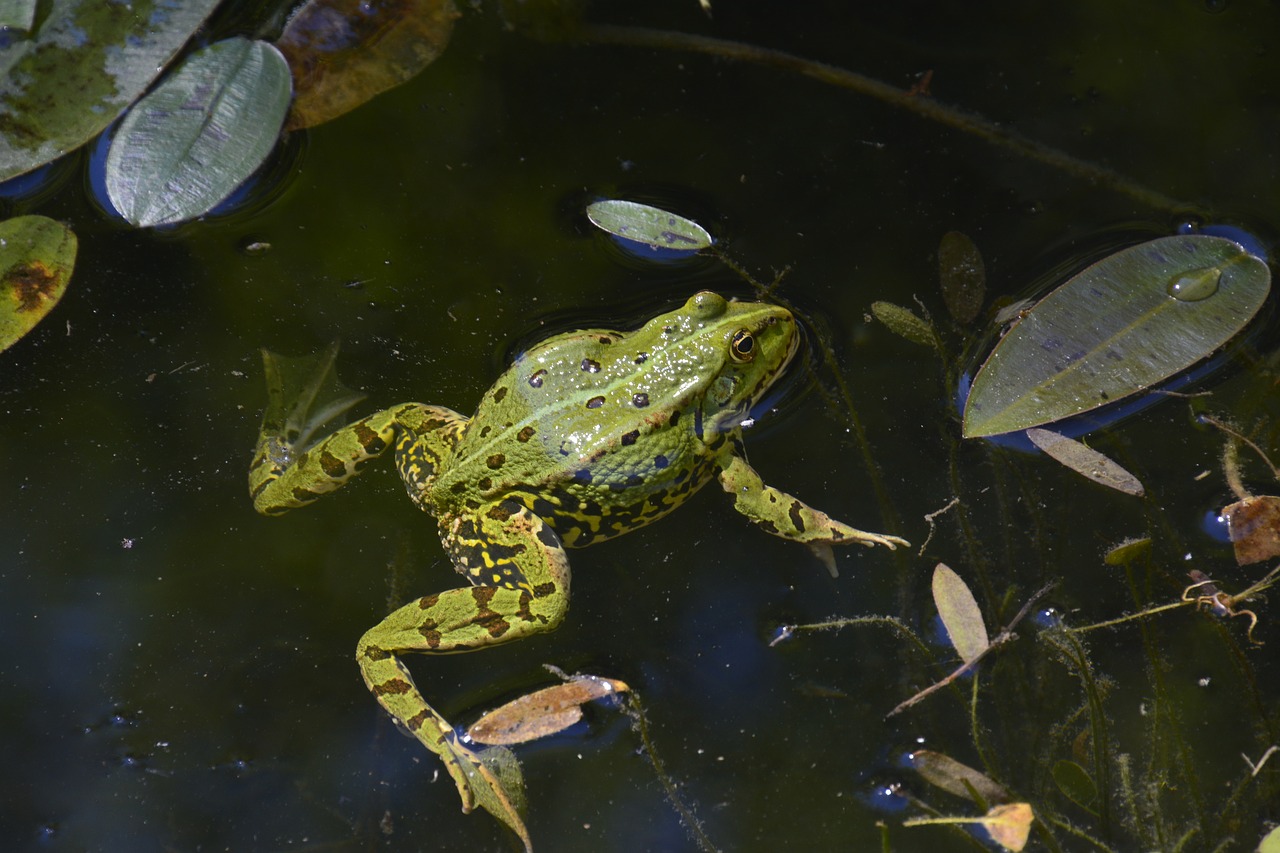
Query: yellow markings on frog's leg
[468,618]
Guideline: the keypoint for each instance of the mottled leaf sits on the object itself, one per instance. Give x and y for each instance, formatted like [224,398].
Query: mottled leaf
[1121,326]
[943,771]
[543,712]
[1075,783]
[205,129]
[960,614]
[650,226]
[36,258]
[1010,825]
[1085,461]
[86,61]
[1253,525]
[344,52]
[962,276]
[904,323]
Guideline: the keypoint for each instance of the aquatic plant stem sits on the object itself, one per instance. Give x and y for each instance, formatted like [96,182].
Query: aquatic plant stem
[923,106]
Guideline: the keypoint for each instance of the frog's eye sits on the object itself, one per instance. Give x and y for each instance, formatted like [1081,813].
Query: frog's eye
[743,346]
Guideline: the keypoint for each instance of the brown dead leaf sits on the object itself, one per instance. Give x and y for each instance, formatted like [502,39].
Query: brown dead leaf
[543,712]
[1254,527]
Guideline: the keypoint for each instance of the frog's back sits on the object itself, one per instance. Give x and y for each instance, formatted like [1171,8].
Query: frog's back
[583,430]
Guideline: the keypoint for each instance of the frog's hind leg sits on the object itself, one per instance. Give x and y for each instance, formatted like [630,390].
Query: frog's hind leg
[282,477]
[521,587]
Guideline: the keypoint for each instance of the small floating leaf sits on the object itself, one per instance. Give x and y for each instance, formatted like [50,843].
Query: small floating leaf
[1085,461]
[85,62]
[904,323]
[543,712]
[37,255]
[1253,524]
[652,226]
[186,146]
[962,276]
[1010,825]
[1124,324]
[344,52]
[943,771]
[960,613]
[1075,783]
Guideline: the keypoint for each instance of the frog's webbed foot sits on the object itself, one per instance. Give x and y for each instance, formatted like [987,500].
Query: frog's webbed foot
[521,578]
[791,518]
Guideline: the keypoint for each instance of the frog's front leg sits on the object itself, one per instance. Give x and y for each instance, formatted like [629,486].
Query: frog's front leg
[791,518]
[521,578]
[283,477]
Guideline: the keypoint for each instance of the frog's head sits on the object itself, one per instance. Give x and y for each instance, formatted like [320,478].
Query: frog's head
[731,352]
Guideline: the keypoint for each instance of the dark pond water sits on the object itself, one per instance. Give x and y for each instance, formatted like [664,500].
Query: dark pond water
[177,673]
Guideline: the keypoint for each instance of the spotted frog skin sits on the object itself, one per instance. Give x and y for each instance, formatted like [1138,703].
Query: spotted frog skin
[587,436]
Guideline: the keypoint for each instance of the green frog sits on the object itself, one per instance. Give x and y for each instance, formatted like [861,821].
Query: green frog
[587,436]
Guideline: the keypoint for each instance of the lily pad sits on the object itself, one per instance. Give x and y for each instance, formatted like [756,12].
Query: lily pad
[648,225]
[1124,324]
[344,52]
[186,146]
[83,64]
[37,255]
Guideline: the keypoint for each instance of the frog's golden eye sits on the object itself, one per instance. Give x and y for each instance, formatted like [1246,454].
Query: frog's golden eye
[743,346]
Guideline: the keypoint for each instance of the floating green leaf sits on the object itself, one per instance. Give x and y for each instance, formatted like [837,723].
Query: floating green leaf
[36,258]
[904,323]
[962,276]
[186,146]
[17,14]
[343,52]
[652,226]
[85,62]
[959,612]
[1124,324]
[1085,461]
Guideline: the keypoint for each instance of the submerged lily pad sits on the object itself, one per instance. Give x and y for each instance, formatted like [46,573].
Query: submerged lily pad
[344,52]
[37,255]
[651,226]
[186,146]
[85,62]
[1126,323]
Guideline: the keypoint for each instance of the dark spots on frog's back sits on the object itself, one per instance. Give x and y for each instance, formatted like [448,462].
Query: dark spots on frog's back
[499,393]
[485,430]
[595,402]
[604,340]
[582,475]
[640,400]
[660,462]
[535,380]
[590,366]
[642,357]
[496,461]
[674,419]
[630,438]
[525,434]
